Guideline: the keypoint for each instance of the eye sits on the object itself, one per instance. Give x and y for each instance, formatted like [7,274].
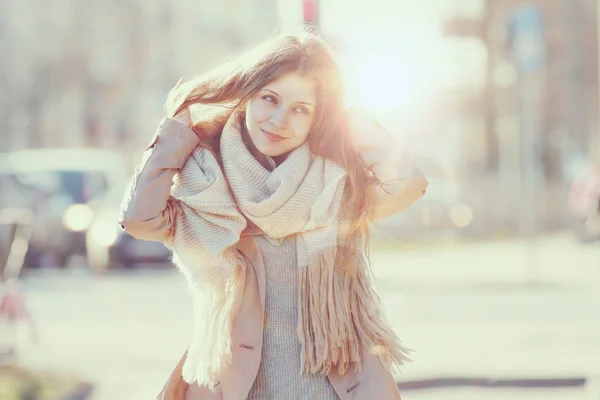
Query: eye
[270,99]
[301,110]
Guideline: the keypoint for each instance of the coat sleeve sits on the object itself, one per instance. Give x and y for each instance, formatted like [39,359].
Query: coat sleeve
[148,210]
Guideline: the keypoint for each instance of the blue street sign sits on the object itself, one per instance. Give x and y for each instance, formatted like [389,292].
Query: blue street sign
[526,38]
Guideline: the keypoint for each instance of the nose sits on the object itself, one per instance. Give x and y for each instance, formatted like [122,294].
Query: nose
[279,118]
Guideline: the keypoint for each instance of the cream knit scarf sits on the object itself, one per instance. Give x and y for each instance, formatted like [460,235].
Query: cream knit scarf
[339,313]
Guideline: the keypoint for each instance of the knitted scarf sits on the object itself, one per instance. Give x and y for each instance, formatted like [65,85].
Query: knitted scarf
[339,313]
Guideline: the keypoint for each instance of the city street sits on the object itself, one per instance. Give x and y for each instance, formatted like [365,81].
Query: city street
[125,330]
[495,103]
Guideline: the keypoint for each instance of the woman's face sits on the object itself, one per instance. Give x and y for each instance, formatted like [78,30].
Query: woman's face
[280,116]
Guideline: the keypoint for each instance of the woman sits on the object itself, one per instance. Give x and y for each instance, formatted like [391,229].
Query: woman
[275,183]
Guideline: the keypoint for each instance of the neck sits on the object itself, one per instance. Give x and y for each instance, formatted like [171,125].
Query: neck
[279,159]
[252,148]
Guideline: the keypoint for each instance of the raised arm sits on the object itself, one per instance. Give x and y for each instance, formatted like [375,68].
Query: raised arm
[401,183]
[148,209]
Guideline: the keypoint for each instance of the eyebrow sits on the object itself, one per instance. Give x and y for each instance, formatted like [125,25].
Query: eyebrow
[299,102]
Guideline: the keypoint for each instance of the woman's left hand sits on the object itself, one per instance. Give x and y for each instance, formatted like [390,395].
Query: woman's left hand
[379,149]
[384,153]
[365,131]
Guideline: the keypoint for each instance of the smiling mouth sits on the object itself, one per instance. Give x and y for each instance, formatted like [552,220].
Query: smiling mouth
[272,137]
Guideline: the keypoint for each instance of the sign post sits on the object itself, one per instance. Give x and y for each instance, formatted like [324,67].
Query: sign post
[528,51]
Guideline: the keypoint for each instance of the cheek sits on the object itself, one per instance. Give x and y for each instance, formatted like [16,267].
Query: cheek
[259,112]
[301,126]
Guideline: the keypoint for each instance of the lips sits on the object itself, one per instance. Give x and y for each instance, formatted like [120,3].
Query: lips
[272,137]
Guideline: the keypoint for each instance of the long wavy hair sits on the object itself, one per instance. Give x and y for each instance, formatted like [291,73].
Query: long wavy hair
[229,87]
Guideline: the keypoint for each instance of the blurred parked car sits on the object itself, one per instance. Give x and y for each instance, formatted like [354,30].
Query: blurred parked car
[64,188]
[109,247]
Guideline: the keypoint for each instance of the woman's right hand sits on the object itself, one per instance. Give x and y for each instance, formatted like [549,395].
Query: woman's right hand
[184,116]
[206,121]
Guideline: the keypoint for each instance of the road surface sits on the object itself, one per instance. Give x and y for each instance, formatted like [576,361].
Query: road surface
[462,312]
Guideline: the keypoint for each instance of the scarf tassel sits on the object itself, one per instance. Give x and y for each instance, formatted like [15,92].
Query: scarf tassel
[214,306]
[339,314]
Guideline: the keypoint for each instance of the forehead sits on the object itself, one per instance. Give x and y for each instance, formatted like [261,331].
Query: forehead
[294,87]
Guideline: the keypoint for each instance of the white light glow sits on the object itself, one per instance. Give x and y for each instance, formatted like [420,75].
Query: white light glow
[401,71]
[461,215]
[78,217]
[104,234]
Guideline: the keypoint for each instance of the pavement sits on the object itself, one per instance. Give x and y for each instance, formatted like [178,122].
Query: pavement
[496,310]
[553,259]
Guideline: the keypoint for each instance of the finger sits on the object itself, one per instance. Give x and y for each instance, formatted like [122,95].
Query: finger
[179,82]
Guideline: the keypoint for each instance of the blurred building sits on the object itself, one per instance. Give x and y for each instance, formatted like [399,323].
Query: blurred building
[566,115]
[97,73]
[569,76]
[80,72]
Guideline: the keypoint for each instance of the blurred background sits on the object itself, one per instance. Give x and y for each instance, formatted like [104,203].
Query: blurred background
[492,278]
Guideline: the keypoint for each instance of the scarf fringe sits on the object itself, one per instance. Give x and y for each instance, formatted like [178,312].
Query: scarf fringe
[339,314]
[215,303]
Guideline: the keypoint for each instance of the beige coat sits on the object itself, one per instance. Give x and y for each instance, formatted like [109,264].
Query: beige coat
[145,216]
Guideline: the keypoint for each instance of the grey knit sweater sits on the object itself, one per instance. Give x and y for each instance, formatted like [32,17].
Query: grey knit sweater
[279,376]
